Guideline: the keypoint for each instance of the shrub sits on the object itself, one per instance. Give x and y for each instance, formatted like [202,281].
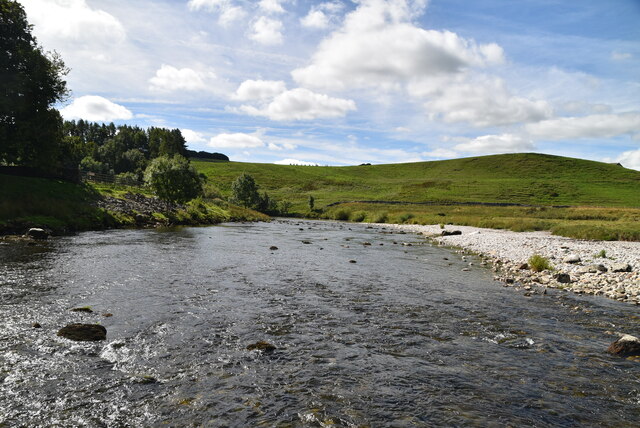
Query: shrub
[358,216]
[342,214]
[244,191]
[173,178]
[602,254]
[539,263]
[406,217]
[381,218]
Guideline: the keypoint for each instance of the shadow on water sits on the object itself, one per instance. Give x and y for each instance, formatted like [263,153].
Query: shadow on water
[368,331]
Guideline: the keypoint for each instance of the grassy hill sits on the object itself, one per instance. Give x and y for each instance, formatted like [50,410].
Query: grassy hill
[516,178]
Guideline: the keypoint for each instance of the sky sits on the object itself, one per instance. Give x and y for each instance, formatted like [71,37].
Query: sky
[345,82]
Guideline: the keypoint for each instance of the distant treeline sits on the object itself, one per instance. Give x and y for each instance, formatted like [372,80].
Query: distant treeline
[123,149]
[207,155]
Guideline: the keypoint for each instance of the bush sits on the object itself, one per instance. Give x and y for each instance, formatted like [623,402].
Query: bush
[173,179]
[602,254]
[381,218]
[342,214]
[406,217]
[358,216]
[244,191]
[538,263]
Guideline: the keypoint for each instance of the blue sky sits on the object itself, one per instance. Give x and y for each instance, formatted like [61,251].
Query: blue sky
[344,82]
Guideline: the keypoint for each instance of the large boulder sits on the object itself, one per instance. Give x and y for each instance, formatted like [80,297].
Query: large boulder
[37,233]
[83,332]
[450,233]
[626,346]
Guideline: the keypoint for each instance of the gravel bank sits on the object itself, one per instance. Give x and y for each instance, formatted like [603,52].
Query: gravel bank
[577,264]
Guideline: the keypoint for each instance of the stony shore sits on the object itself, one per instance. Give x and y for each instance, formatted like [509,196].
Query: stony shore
[577,265]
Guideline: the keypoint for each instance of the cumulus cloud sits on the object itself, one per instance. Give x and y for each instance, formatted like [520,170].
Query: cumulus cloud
[294,162]
[504,143]
[630,159]
[482,102]
[237,140]
[267,31]
[193,137]
[378,45]
[251,90]
[302,104]
[73,21]
[169,79]
[271,6]
[95,109]
[228,11]
[592,126]
[315,19]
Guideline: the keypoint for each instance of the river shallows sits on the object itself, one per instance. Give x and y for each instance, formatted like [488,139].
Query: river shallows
[403,337]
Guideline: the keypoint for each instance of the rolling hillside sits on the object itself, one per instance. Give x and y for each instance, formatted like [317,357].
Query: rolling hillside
[525,178]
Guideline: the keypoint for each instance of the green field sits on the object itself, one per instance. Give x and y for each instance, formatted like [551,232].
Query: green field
[516,178]
[604,198]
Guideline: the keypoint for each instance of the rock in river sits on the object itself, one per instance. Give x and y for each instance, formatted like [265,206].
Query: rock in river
[262,346]
[37,233]
[83,332]
[626,346]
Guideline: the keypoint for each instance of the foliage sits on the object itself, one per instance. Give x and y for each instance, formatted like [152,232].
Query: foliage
[244,191]
[601,255]
[31,82]
[312,203]
[173,178]
[539,263]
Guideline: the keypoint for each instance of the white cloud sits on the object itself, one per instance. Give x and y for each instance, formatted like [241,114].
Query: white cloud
[271,6]
[378,45]
[235,141]
[230,15]
[294,162]
[504,143]
[302,104]
[73,21]
[169,78]
[481,102]
[630,159]
[315,19]
[95,109]
[592,126]
[193,137]
[228,11]
[267,31]
[250,90]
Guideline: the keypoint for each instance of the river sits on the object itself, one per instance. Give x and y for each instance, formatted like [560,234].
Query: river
[370,331]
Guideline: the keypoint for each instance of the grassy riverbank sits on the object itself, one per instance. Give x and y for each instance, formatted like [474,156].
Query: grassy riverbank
[604,200]
[65,207]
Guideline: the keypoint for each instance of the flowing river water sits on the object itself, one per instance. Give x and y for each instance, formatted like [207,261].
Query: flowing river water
[379,335]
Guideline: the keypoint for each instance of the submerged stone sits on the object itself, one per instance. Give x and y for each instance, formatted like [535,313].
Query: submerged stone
[83,332]
[262,346]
